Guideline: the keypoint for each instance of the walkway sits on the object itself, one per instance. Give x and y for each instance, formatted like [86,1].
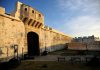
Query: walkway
[47,58]
[55,57]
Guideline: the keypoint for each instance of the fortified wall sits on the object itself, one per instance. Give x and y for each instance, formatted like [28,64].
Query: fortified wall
[25,28]
[12,32]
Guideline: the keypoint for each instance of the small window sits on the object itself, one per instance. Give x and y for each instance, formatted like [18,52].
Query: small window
[25,9]
[39,15]
[32,11]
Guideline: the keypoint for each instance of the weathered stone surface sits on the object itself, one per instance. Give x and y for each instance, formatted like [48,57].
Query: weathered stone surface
[12,32]
[15,30]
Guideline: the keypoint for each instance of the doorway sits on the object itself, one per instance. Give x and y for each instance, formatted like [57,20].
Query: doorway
[33,44]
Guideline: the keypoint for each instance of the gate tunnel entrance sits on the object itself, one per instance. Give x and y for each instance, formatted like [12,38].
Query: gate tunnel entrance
[33,44]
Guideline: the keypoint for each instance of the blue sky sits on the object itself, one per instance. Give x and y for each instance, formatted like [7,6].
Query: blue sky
[72,17]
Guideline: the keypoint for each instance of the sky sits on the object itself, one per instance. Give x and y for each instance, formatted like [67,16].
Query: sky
[73,17]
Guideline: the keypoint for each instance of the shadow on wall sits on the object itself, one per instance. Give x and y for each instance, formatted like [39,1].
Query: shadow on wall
[54,47]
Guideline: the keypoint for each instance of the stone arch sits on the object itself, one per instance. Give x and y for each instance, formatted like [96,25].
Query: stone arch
[33,44]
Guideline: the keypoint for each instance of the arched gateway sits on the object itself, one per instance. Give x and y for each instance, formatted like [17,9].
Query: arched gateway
[33,44]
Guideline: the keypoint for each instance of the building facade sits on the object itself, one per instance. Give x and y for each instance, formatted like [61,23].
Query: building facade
[86,39]
[85,43]
[25,28]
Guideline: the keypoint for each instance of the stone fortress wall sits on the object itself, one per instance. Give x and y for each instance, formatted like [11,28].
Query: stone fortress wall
[25,28]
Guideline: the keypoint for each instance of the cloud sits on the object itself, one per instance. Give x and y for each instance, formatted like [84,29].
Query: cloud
[83,5]
[86,22]
[91,7]
[83,26]
[72,4]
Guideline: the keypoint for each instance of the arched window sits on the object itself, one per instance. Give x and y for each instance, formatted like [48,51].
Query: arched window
[39,15]
[33,11]
[25,9]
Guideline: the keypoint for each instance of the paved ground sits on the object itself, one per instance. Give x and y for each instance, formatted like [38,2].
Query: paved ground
[47,58]
[55,58]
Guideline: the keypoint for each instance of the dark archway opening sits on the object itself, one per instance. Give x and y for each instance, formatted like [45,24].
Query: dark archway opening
[33,44]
